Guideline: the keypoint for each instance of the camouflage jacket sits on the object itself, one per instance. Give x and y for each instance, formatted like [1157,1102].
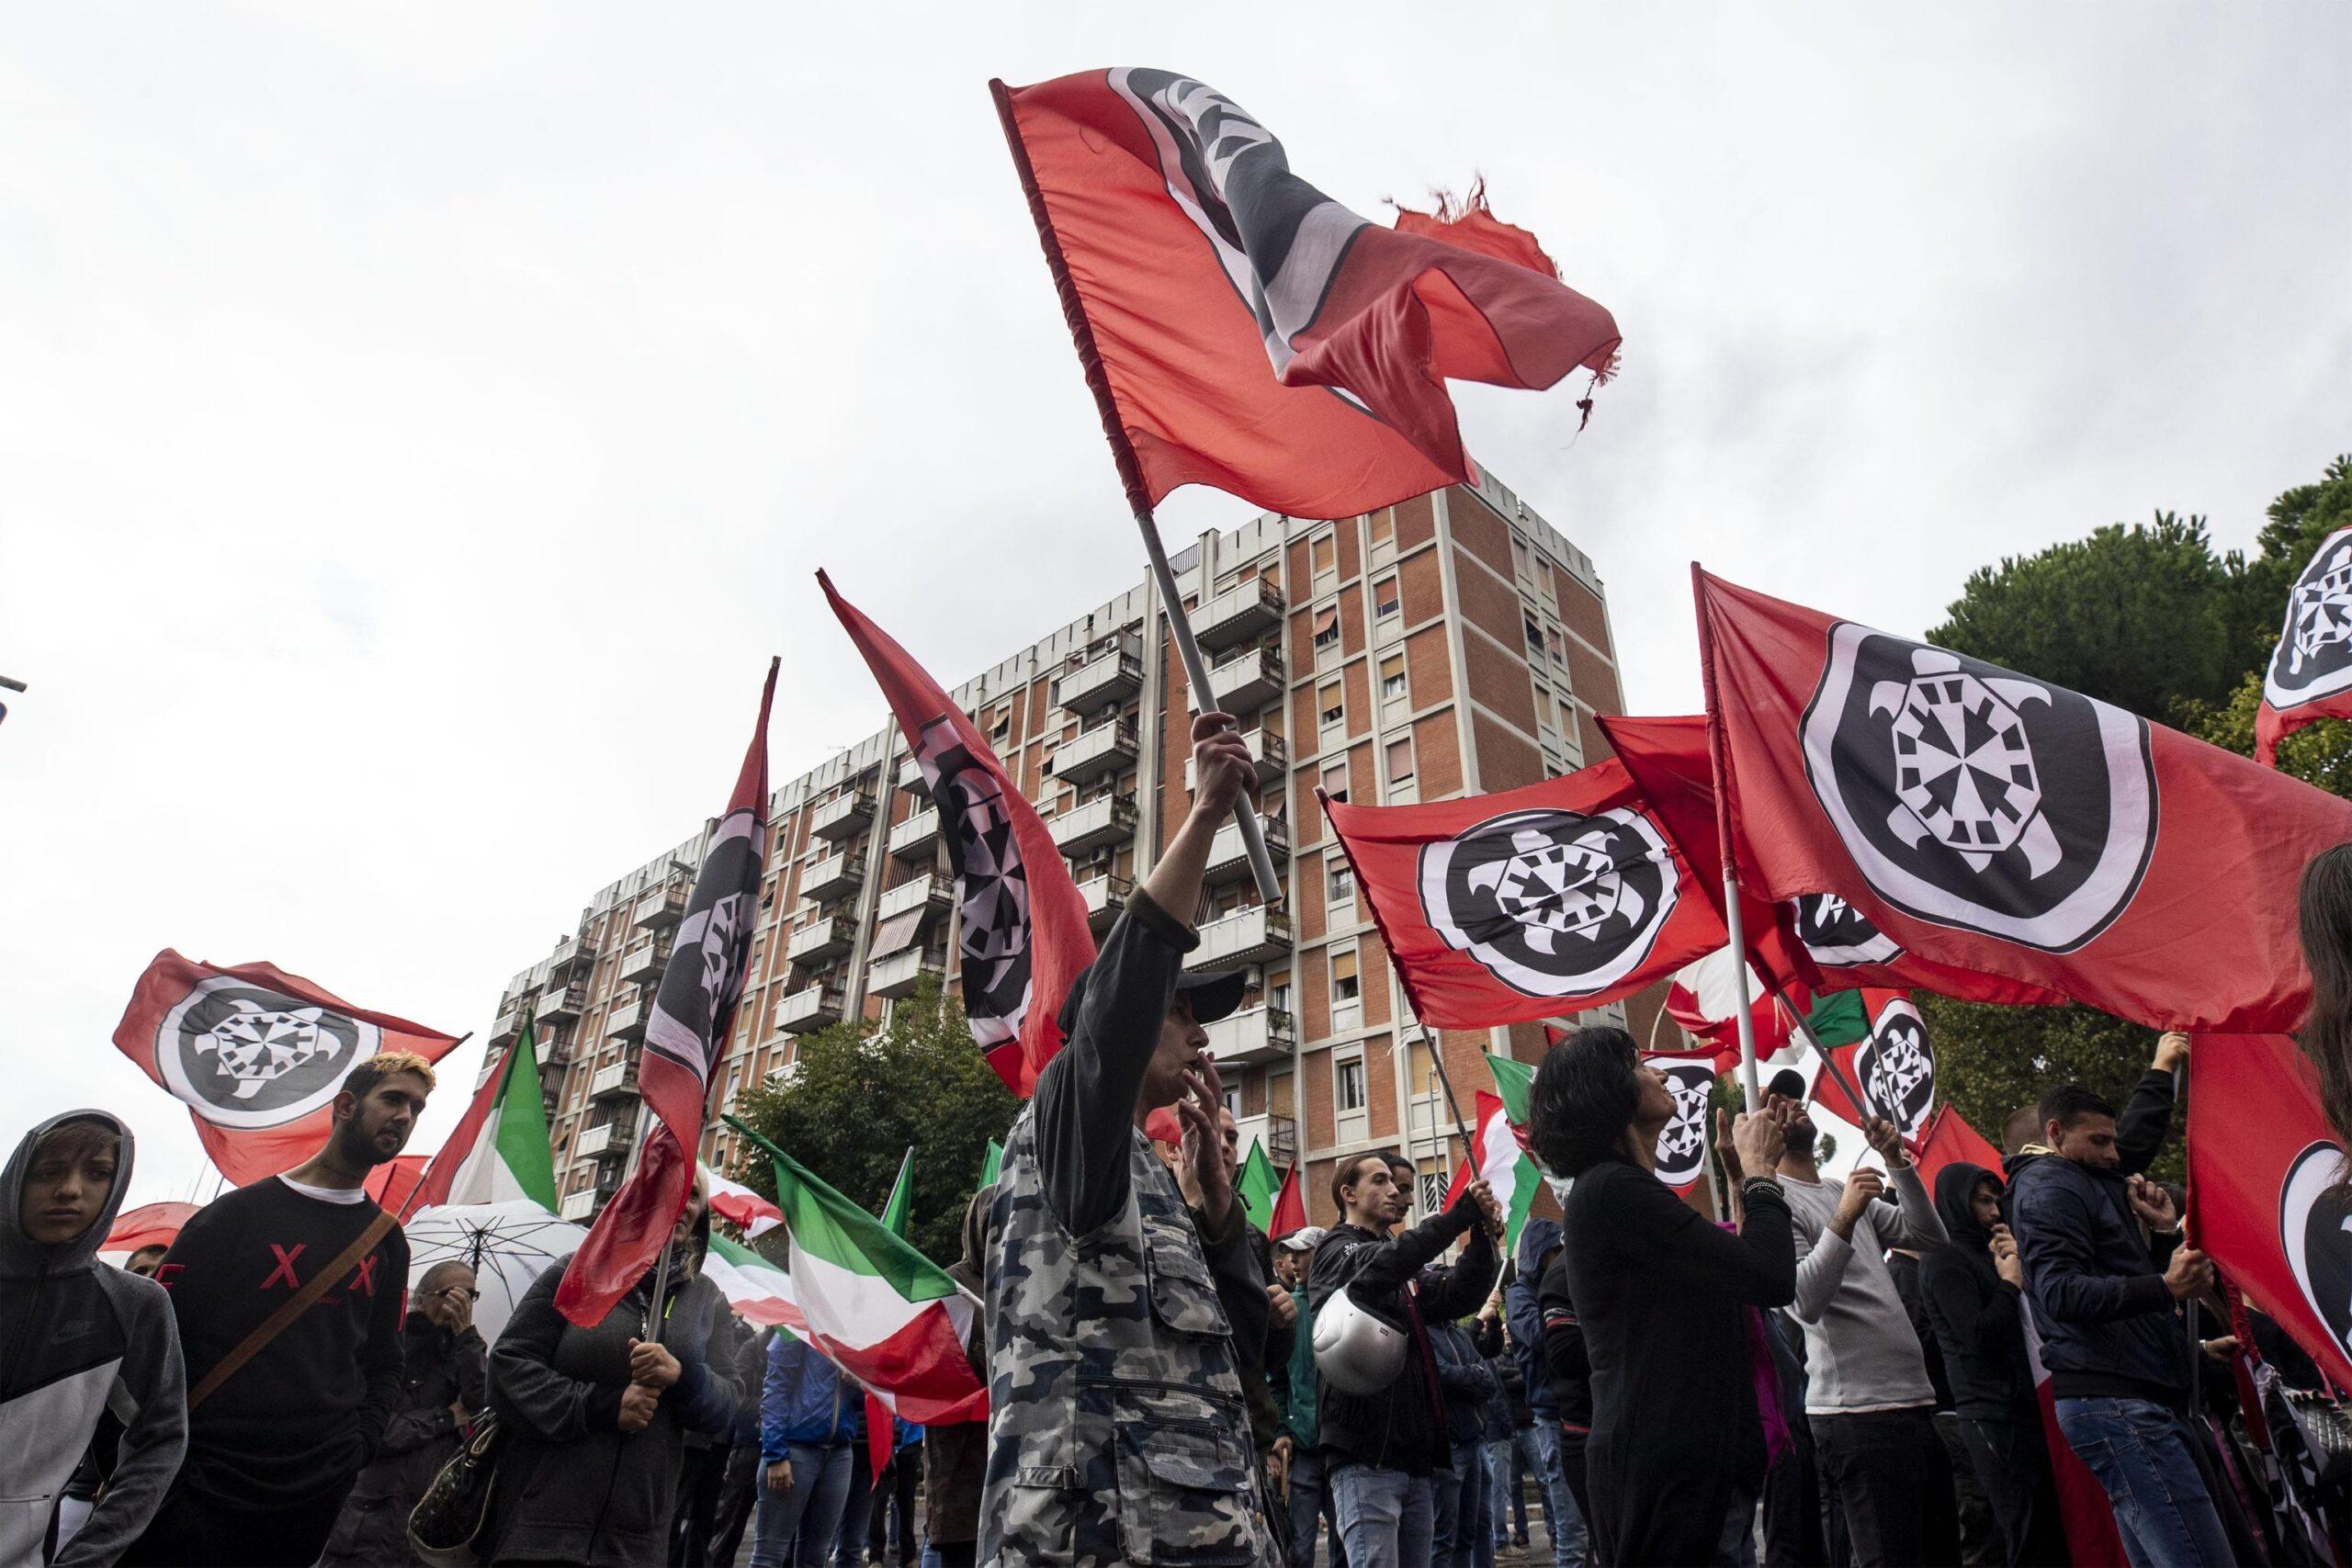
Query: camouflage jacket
[1118,1430]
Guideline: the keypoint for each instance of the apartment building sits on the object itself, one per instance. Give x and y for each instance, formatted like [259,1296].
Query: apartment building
[1456,643]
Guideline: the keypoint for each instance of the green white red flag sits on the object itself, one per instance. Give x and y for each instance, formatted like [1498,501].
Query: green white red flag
[739,1206]
[1290,1208]
[758,1291]
[1256,1187]
[880,1310]
[1508,1168]
[499,1151]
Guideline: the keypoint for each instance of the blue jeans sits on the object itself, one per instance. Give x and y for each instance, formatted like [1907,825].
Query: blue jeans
[1539,1445]
[1311,1503]
[2141,1454]
[1502,1456]
[1461,1535]
[1387,1518]
[810,1509]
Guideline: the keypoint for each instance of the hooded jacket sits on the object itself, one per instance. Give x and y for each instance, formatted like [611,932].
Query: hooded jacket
[1973,1312]
[1523,1311]
[76,1338]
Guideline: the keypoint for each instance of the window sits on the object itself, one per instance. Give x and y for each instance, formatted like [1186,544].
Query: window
[1400,760]
[1534,630]
[1344,986]
[1348,1089]
[1232,1101]
[1278,990]
[1384,597]
[1324,555]
[1384,527]
[1392,678]
[1335,781]
[1330,701]
[1340,880]
[1521,561]
[1327,628]
[1556,645]
[1000,724]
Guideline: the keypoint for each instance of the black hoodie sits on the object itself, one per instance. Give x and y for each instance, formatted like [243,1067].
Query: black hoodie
[1975,1313]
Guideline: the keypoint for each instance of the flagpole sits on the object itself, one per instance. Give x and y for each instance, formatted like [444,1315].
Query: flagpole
[1123,454]
[1437,1060]
[1747,1024]
[1828,1062]
[1719,766]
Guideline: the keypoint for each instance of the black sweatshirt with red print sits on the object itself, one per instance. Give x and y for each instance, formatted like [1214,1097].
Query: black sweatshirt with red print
[301,1418]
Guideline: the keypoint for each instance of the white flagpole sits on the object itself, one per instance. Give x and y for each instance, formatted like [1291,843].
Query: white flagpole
[1749,1086]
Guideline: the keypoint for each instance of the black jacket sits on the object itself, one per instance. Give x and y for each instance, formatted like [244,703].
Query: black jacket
[1465,1381]
[2140,1129]
[1403,1427]
[1974,1312]
[1568,1370]
[439,1370]
[2109,1324]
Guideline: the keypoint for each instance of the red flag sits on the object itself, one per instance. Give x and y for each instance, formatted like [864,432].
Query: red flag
[1290,1209]
[693,1009]
[395,1185]
[879,1429]
[1893,1068]
[2263,1200]
[1947,1138]
[1680,1156]
[1511,908]
[2000,826]
[150,1224]
[1024,936]
[257,1055]
[2310,675]
[1242,329]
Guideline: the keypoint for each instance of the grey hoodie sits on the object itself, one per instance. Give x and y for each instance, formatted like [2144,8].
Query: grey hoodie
[78,1337]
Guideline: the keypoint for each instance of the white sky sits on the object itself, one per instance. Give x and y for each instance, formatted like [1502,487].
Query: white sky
[418,424]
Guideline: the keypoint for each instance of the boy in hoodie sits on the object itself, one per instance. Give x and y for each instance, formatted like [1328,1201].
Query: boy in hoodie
[1539,1445]
[81,1340]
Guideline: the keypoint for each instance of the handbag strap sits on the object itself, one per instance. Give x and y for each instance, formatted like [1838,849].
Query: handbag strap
[291,1308]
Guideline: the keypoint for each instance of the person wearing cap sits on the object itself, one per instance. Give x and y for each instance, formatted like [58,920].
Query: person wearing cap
[1868,1398]
[1310,1494]
[1383,1449]
[1116,1322]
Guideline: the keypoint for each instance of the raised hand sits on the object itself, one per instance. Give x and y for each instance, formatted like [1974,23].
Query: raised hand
[1761,1136]
[1886,1138]
[1728,1149]
[2172,1050]
[1285,1311]
[2190,1273]
[1221,765]
[2153,1204]
[2006,1261]
[1203,1146]
[1861,1185]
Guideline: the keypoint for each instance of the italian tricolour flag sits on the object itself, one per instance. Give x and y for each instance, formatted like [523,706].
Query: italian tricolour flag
[1497,1156]
[758,1291]
[879,1309]
[499,1152]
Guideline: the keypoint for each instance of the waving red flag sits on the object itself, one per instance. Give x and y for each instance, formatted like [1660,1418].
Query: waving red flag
[1949,1137]
[2001,826]
[1254,334]
[2310,676]
[694,1008]
[1290,1208]
[1024,934]
[1893,1068]
[256,1055]
[1510,908]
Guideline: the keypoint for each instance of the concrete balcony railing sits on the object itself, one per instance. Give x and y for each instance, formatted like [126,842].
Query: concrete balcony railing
[815,1008]
[1105,680]
[1105,749]
[917,838]
[910,772]
[1250,608]
[835,876]
[914,894]
[843,816]
[508,1025]
[559,1002]
[1254,1035]
[1228,857]
[578,1207]
[1105,896]
[661,907]
[1108,819]
[643,961]
[608,1140]
[1268,750]
[1249,682]
[554,1051]
[828,936]
[1278,1133]
[613,1077]
[1246,936]
[898,975]
[570,951]
[628,1021]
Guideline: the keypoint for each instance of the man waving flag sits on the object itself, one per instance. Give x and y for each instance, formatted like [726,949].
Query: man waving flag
[693,1010]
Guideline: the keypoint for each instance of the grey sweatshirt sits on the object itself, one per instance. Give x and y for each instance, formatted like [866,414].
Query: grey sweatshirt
[1862,1353]
[77,1337]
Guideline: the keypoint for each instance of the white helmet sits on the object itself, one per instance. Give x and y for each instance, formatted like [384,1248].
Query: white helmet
[1354,1351]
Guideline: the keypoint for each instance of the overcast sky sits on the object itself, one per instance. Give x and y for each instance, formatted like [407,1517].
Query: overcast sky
[418,424]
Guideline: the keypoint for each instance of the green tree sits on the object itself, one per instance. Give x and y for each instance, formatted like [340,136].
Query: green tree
[2318,753]
[861,1095]
[1990,1060]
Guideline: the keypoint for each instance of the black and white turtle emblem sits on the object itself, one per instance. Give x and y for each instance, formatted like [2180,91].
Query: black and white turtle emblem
[2315,1233]
[693,1004]
[1836,934]
[992,883]
[1551,903]
[1683,1143]
[1897,1067]
[2313,658]
[1973,798]
[248,1055]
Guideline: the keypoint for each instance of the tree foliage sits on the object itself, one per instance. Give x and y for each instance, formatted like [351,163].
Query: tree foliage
[1990,1060]
[862,1095]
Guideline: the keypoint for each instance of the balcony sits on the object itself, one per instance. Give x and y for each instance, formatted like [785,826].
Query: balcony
[814,1007]
[828,936]
[917,838]
[925,891]
[843,816]
[1105,896]
[835,876]
[626,1021]
[1268,750]
[910,773]
[1109,819]
[898,975]
[663,908]
[1246,936]
[1252,1036]
[645,959]
[554,1051]
[1105,680]
[613,1079]
[1105,749]
[1229,859]
[1278,1133]
[1249,682]
[559,1002]
[610,1140]
[578,1207]
[508,1025]
[572,950]
[1250,608]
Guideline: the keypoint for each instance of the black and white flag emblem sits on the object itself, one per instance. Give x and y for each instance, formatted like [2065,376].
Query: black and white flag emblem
[992,886]
[1836,934]
[2313,658]
[2315,1233]
[705,975]
[246,1056]
[1681,1153]
[1551,903]
[1897,1067]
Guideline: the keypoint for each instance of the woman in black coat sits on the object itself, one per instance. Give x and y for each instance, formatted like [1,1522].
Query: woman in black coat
[1676,1457]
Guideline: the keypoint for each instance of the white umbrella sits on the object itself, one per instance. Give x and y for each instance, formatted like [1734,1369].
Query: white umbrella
[508,1245]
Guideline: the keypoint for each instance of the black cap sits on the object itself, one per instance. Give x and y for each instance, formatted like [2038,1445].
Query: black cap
[1788,1083]
[1214,993]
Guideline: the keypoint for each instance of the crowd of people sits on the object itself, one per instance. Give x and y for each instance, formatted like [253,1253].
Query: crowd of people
[1841,1371]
